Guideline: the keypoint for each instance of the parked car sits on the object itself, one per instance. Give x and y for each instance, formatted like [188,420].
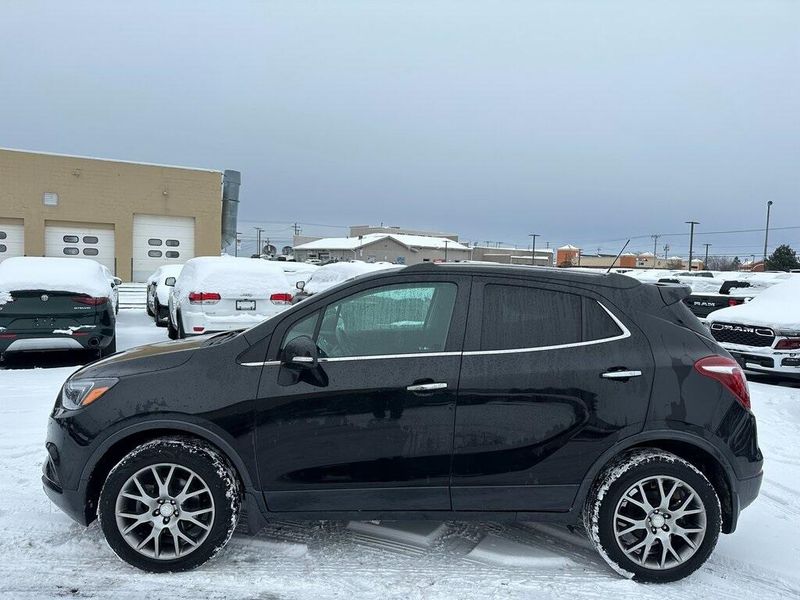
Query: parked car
[151,288]
[55,304]
[114,282]
[297,271]
[327,276]
[430,392]
[162,288]
[220,293]
[764,334]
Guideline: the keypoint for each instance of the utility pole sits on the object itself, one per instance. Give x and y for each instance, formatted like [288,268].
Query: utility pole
[691,225]
[445,249]
[705,263]
[297,229]
[533,247]
[655,237]
[766,235]
[258,239]
[238,241]
[666,252]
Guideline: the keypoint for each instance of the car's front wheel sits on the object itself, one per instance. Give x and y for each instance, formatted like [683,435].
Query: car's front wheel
[653,516]
[170,505]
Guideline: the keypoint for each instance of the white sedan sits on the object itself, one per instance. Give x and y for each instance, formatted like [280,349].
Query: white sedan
[220,293]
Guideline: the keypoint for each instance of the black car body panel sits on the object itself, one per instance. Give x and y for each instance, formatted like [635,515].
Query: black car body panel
[517,433]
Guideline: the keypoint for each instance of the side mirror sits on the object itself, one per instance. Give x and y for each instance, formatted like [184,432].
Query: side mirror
[300,353]
[169,281]
[300,285]
[117,281]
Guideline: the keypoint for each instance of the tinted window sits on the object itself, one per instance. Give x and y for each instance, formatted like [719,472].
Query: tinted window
[3,248]
[173,243]
[3,235]
[524,317]
[597,323]
[397,319]
[70,239]
[154,242]
[303,327]
[90,239]
[172,254]
[154,253]
[90,251]
[71,251]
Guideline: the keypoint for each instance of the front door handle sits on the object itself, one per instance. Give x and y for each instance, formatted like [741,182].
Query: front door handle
[426,387]
[620,374]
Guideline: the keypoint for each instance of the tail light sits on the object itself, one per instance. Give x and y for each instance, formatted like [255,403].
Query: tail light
[281,298]
[735,301]
[204,297]
[728,372]
[788,344]
[89,301]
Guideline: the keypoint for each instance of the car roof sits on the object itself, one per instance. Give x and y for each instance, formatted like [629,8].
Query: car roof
[553,274]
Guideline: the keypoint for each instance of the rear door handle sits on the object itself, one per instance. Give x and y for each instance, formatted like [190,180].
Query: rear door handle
[620,374]
[426,387]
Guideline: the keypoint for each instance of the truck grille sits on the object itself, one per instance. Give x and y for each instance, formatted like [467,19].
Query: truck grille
[744,335]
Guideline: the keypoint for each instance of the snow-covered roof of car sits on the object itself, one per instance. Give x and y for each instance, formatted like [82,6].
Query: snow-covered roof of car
[331,274]
[777,307]
[228,275]
[76,275]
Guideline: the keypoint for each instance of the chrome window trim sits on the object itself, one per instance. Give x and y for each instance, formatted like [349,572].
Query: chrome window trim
[625,334]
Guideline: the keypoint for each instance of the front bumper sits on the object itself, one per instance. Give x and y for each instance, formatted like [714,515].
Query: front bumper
[62,471]
[765,360]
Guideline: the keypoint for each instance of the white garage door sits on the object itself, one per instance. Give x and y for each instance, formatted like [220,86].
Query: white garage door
[12,239]
[81,240]
[160,240]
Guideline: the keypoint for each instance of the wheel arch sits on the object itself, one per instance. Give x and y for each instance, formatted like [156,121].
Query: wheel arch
[693,449]
[116,446]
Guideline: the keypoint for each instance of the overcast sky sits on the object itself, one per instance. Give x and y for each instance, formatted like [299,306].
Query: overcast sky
[584,122]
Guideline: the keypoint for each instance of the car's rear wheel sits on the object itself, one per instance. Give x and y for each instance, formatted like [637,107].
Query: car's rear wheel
[172,332]
[169,505]
[181,330]
[653,516]
[161,315]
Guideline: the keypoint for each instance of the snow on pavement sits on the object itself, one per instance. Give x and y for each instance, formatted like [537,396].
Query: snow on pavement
[43,554]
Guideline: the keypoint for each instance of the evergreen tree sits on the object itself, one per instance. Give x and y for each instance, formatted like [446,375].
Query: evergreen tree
[783,259]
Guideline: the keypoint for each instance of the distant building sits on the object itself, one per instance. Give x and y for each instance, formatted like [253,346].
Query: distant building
[513,256]
[396,248]
[357,230]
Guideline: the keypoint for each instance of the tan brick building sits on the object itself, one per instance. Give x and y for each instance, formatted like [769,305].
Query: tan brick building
[131,217]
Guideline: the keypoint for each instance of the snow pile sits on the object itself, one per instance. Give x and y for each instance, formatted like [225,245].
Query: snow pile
[330,275]
[75,275]
[231,277]
[777,307]
[296,271]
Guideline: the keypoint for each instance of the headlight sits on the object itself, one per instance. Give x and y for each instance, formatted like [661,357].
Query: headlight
[77,393]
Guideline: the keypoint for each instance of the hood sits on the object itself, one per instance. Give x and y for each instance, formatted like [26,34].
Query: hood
[777,307]
[144,359]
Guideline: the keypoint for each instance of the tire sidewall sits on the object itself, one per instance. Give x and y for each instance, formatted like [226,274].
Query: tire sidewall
[206,463]
[659,465]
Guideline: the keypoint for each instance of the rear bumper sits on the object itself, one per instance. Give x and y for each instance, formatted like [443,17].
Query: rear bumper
[196,323]
[744,492]
[44,342]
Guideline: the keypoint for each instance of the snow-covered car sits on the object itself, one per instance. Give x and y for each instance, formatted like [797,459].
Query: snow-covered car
[114,282]
[220,293]
[298,271]
[162,289]
[55,304]
[332,274]
[764,334]
[151,288]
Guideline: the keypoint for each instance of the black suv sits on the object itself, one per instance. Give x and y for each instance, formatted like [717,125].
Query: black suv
[432,392]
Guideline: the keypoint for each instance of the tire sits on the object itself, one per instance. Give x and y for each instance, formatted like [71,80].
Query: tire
[147,308]
[615,506]
[181,330]
[172,333]
[183,466]
[111,348]
[161,315]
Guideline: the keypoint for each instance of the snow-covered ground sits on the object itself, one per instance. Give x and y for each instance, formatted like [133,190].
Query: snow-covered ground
[43,554]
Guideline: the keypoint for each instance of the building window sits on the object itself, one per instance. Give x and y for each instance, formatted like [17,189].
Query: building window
[90,239]
[3,235]
[154,253]
[71,251]
[172,254]
[173,243]
[3,248]
[50,199]
[154,242]
[71,239]
[91,251]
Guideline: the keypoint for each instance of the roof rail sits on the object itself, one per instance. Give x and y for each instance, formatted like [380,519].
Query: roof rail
[423,266]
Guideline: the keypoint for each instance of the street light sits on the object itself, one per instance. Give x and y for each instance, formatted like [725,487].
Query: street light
[533,247]
[691,225]
[766,234]
[445,249]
